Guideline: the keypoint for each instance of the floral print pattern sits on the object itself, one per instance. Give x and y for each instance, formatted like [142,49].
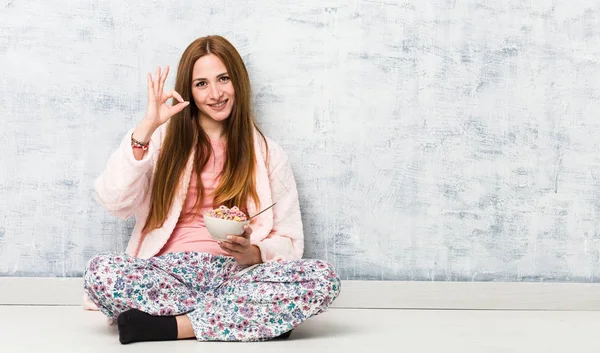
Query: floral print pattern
[265,302]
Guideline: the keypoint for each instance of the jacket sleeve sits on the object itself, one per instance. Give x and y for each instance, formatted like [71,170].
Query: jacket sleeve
[124,182]
[286,239]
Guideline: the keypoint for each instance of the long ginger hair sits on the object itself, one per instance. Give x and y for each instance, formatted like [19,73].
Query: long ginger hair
[237,184]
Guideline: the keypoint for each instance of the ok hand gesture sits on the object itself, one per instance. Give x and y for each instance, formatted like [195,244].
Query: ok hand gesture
[158,111]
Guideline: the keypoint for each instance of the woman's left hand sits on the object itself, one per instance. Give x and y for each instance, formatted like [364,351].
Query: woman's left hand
[241,249]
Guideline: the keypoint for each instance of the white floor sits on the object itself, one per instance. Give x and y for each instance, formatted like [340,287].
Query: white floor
[70,329]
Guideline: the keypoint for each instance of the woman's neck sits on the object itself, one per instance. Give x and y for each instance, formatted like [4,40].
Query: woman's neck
[214,129]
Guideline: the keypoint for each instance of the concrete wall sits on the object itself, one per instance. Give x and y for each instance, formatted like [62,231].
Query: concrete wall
[431,140]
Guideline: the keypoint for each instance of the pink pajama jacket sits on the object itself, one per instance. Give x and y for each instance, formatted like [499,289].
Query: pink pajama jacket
[123,189]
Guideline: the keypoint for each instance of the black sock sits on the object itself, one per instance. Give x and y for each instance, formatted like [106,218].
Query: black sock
[283,336]
[137,326]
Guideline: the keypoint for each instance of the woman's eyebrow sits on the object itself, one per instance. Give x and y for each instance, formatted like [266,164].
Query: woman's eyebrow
[202,78]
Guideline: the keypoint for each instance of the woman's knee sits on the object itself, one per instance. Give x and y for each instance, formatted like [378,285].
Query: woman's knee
[96,267]
[328,280]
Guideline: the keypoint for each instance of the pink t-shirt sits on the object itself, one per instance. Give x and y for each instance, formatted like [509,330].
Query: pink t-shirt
[190,233]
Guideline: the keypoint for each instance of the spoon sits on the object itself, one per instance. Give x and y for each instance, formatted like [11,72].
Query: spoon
[262,211]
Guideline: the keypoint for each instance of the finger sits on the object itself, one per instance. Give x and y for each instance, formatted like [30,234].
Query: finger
[177,108]
[247,233]
[227,251]
[231,248]
[237,248]
[177,96]
[170,94]
[166,96]
[238,243]
[247,230]
[150,87]
[163,77]
[156,82]
[222,245]
[238,240]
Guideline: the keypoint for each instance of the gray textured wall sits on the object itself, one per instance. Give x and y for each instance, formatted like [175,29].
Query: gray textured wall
[431,140]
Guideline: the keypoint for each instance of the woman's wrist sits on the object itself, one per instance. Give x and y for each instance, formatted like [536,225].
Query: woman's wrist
[257,256]
[144,131]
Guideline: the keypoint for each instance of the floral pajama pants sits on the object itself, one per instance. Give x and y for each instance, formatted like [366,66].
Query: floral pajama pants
[221,303]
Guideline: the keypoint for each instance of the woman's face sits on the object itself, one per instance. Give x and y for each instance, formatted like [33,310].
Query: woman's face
[212,88]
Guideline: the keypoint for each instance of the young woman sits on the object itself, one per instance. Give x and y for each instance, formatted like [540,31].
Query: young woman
[205,151]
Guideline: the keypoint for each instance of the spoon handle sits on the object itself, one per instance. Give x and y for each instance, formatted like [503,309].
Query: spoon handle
[262,211]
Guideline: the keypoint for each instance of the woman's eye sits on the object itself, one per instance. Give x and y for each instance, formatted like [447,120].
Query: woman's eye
[224,79]
[200,84]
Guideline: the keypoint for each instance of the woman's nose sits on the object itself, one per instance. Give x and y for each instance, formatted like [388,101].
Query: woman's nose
[215,93]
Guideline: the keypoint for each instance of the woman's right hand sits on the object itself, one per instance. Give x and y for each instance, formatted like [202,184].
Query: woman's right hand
[158,111]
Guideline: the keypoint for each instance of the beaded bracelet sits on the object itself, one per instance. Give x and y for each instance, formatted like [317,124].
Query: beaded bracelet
[137,144]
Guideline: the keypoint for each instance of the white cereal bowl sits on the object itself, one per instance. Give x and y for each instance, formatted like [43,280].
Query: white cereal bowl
[221,228]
